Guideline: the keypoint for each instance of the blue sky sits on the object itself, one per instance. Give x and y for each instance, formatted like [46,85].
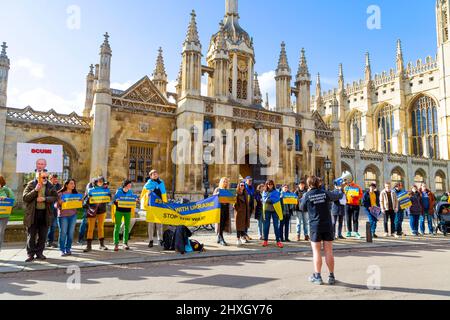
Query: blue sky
[49,61]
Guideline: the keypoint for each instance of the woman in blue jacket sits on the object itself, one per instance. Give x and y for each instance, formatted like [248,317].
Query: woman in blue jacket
[122,213]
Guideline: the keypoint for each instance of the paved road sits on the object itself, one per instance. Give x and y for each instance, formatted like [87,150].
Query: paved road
[407,272]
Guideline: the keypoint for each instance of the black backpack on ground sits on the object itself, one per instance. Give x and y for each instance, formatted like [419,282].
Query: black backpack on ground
[169,240]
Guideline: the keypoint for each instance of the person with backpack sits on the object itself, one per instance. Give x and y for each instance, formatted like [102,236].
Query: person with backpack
[122,213]
[317,203]
[371,205]
[96,212]
[157,186]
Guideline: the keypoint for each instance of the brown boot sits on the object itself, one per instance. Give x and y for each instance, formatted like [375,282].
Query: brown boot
[88,246]
[298,238]
[102,245]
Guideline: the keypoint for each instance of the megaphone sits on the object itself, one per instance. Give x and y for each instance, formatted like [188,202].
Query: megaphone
[346,177]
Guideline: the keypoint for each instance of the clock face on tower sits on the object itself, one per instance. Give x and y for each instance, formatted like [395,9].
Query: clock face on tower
[242,66]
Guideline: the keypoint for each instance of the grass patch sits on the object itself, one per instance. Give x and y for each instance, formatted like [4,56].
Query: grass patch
[17,214]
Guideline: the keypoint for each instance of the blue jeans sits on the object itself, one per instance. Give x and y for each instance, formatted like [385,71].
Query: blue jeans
[276,225]
[414,224]
[261,227]
[83,227]
[52,229]
[429,221]
[302,218]
[372,220]
[66,231]
[398,221]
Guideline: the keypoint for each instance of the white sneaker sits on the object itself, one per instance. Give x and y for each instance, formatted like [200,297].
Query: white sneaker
[396,236]
[245,241]
[386,235]
[239,243]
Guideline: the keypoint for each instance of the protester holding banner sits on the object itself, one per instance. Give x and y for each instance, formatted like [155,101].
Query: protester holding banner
[371,204]
[389,206]
[69,200]
[51,232]
[6,205]
[97,199]
[83,225]
[428,204]
[354,196]
[242,213]
[399,216]
[124,205]
[317,202]
[157,186]
[225,218]
[251,200]
[39,196]
[337,215]
[415,211]
[272,210]
[288,201]
[302,217]
[259,211]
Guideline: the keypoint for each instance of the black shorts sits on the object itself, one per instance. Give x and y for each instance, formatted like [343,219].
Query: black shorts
[317,236]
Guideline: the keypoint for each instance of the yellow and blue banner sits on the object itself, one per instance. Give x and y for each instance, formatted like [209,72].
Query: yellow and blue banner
[404,200]
[275,199]
[128,202]
[227,196]
[71,201]
[190,215]
[97,196]
[352,191]
[289,198]
[6,206]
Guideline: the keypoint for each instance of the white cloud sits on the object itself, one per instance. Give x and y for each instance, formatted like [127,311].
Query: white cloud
[43,100]
[36,70]
[268,85]
[122,85]
[171,86]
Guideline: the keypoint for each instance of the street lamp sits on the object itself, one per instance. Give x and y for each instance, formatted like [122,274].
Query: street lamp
[206,162]
[328,166]
[290,144]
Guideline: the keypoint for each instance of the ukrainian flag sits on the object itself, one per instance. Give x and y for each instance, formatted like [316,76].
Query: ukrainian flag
[290,198]
[227,196]
[274,197]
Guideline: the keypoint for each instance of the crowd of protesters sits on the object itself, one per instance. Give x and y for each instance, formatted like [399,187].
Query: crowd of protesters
[319,214]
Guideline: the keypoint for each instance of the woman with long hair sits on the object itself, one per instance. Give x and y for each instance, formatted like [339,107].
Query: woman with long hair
[67,219]
[225,223]
[269,198]
[242,213]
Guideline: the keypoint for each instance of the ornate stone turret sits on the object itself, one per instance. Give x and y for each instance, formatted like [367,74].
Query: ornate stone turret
[90,89]
[219,59]
[257,96]
[368,71]
[303,84]
[160,75]
[283,82]
[102,113]
[400,61]
[4,71]
[341,82]
[319,100]
[192,61]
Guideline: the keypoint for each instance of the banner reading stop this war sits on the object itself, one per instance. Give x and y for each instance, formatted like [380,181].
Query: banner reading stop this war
[39,157]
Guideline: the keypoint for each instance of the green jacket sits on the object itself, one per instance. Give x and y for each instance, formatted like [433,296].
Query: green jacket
[7,193]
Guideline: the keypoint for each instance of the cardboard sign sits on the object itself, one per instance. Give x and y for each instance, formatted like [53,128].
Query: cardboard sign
[39,157]
[72,201]
[352,192]
[290,198]
[127,202]
[98,196]
[404,200]
[6,206]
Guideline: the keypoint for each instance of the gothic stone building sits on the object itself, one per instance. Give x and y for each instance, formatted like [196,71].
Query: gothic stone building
[393,126]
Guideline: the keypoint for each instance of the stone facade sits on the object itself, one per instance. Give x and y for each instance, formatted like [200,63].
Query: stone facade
[124,134]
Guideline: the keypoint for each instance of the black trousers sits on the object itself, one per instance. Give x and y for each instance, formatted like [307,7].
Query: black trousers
[284,228]
[352,213]
[389,215]
[224,217]
[37,234]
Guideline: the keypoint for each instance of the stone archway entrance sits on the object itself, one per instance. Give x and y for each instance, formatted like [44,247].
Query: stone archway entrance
[252,170]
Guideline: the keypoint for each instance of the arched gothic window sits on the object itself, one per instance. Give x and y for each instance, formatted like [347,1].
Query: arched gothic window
[386,128]
[425,128]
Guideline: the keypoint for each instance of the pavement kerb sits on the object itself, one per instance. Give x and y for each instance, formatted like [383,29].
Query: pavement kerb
[200,256]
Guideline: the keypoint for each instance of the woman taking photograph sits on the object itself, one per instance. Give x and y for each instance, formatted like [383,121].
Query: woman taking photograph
[269,198]
[122,213]
[225,221]
[67,219]
[96,213]
[5,193]
[242,213]
[317,202]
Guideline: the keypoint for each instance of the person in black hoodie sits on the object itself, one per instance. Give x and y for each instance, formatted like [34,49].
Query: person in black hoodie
[317,202]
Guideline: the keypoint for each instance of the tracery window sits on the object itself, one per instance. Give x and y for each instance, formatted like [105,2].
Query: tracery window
[425,128]
[386,128]
[139,160]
